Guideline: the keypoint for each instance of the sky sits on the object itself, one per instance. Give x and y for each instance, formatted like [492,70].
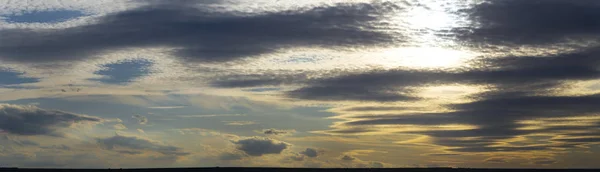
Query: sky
[287,83]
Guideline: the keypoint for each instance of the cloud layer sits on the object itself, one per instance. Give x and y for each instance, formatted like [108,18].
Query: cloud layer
[199,34]
[135,145]
[31,120]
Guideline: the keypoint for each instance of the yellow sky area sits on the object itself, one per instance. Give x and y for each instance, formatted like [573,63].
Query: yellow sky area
[423,57]
[543,123]
[580,88]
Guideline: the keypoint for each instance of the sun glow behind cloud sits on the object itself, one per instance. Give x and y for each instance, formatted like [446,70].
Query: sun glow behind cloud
[390,79]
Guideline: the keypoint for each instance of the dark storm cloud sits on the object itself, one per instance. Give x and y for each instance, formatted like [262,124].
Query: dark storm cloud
[30,120]
[310,152]
[533,22]
[136,144]
[257,146]
[202,34]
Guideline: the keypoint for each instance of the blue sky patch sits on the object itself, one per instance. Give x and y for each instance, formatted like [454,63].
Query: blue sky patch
[44,16]
[124,72]
[12,78]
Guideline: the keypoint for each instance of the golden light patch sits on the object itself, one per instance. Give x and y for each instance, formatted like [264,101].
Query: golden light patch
[542,123]
[455,93]
[425,57]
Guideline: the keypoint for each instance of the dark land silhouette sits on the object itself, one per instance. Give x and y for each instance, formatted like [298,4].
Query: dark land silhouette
[232,169]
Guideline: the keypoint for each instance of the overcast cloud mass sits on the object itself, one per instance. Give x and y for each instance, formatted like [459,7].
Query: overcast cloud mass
[336,83]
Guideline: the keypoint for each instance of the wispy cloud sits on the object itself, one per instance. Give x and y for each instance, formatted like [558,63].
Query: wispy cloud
[239,122]
[167,107]
[210,115]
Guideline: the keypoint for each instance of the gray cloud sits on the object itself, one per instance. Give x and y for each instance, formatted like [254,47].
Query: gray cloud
[498,118]
[347,158]
[533,22]
[258,146]
[31,120]
[273,131]
[519,75]
[375,164]
[57,147]
[310,152]
[202,34]
[11,140]
[135,144]
[379,108]
[341,93]
[130,152]
[520,88]
[141,119]
[261,78]
[296,157]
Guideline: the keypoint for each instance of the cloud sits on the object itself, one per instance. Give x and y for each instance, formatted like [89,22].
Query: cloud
[239,122]
[57,147]
[310,152]
[296,157]
[533,22]
[141,119]
[375,164]
[543,161]
[347,158]
[136,144]
[119,127]
[516,74]
[18,142]
[231,156]
[272,131]
[210,115]
[519,100]
[167,107]
[500,160]
[341,93]
[258,146]
[202,34]
[31,120]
